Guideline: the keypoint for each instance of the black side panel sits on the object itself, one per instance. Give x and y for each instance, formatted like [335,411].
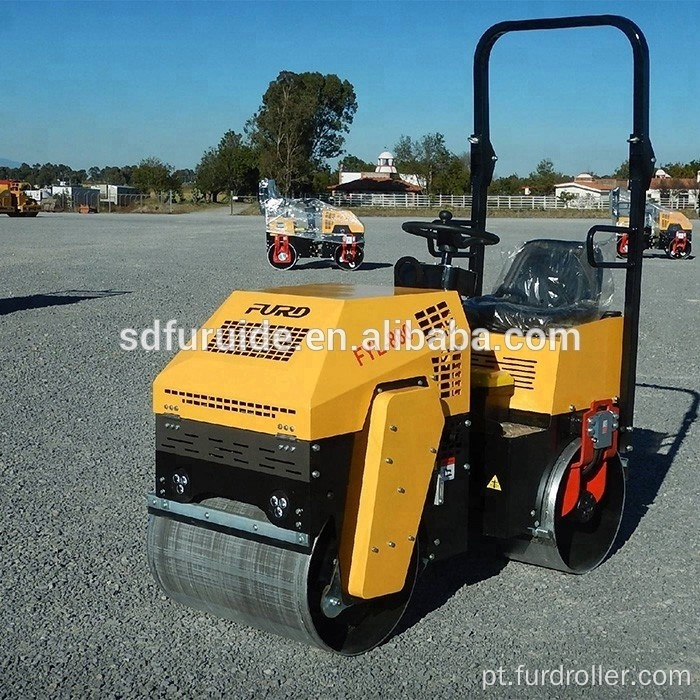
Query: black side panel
[446,526]
[510,476]
[508,462]
[199,460]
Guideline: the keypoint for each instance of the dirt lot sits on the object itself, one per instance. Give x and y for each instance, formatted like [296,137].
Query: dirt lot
[81,616]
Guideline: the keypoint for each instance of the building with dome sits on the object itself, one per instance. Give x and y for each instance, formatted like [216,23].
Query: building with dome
[385,163]
[384,180]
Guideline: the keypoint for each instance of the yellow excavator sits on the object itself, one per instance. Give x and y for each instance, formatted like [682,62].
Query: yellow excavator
[14,201]
[302,485]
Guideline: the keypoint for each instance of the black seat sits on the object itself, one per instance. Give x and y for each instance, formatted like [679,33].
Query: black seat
[549,284]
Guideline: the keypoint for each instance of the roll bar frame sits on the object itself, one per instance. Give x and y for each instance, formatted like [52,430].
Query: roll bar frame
[641,168]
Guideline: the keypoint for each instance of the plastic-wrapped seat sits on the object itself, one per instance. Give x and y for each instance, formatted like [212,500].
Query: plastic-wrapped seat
[549,284]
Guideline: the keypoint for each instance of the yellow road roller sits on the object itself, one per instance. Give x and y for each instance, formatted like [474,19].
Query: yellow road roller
[309,228]
[664,229]
[324,444]
[14,200]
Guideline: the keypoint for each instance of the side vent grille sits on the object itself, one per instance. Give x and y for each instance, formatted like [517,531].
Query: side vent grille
[523,370]
[234,405]
[437,316]
[447,367]
[263,341]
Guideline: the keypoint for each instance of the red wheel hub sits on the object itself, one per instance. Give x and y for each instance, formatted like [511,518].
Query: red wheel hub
[348,249]
[281,253]
[586,479]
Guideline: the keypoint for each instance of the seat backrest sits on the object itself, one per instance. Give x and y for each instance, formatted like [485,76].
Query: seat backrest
[551,274]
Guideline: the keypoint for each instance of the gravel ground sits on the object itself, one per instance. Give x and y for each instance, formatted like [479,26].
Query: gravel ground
[81,616]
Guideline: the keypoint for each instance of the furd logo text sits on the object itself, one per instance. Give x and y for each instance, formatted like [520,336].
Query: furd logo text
[279,310]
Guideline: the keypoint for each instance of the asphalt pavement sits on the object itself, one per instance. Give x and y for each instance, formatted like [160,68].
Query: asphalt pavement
[80,615]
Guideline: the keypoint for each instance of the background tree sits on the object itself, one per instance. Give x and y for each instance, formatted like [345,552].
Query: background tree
[111,174]
[353,164]
[510,185]
[349,164]
[185,175]
[322,179]
[683,170]
[542,180]
[230,167]
[44,175]
[207,178]
[237,164]
[454,177]
[153,175]
[300,124]
[623,171]
[427,157]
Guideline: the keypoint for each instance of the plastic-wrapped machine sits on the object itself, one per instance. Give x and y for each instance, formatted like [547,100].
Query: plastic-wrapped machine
[544,284]
[309,228]
[308,218]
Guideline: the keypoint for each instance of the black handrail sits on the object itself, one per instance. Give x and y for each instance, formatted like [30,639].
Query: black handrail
[641,165]
[591,250]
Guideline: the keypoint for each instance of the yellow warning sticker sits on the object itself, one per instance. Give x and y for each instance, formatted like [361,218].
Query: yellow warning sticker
[494,484]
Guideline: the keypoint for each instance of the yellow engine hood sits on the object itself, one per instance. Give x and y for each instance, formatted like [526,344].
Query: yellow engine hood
[311,393]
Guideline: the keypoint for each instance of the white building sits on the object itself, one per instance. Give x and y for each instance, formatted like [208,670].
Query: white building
[385,169]
[682,191]
[585,187]
[77,195]
[116,194]
[39,194]
[385,163]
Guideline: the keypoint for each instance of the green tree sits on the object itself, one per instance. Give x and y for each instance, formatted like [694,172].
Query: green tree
[237,164]
[683,170]
[427,156]
[353,164]
[77,177]
[322,179]
[46,174]
[406,153]
[300,124]
[542,180]
[49,174]
[185,175]
[114,175]
[511,185]
[207,179]
[454,177]
[623,171]
[230,167]
[153,175]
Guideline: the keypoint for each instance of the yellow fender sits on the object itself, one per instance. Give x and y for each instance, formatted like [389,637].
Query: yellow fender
[388,488]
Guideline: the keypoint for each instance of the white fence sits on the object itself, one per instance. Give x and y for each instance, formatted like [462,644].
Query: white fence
[519,202]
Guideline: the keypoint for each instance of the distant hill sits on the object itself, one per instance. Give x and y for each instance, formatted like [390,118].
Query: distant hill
[7,163]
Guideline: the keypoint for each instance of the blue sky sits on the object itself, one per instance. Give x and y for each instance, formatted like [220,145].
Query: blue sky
[108,83]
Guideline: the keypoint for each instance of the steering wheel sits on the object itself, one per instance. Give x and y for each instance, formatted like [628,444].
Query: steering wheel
[449,235]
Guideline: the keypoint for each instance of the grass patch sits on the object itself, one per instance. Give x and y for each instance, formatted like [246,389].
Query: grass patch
[252,209]
[153,206]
